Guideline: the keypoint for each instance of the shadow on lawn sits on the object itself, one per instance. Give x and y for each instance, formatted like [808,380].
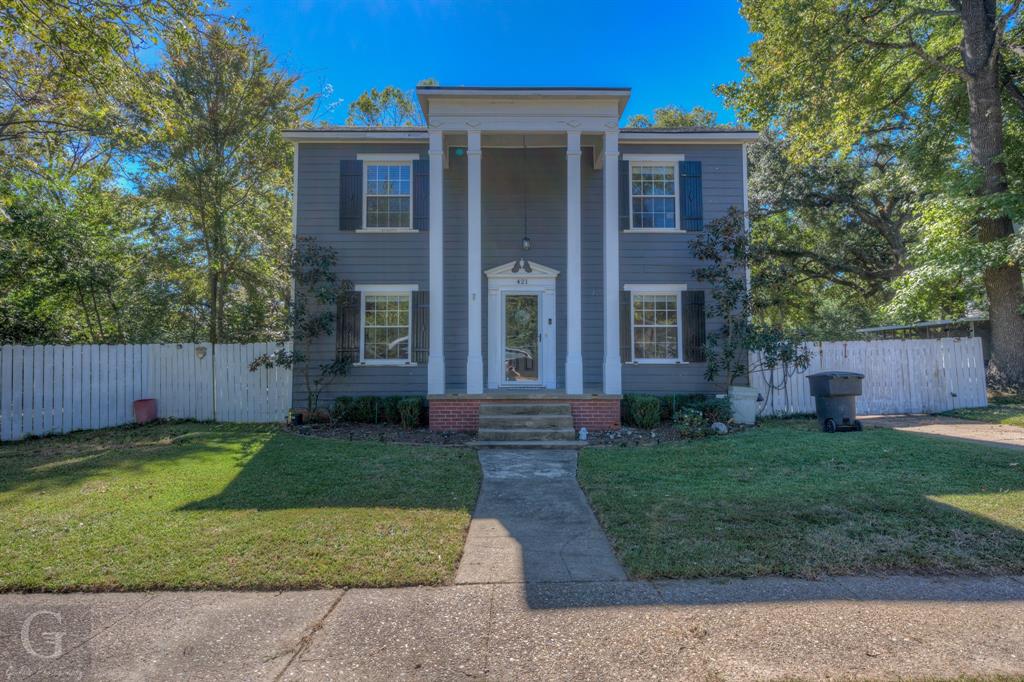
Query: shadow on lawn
[291,472]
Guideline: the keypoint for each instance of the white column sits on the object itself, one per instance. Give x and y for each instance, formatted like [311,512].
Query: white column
[573,286]
[475,359]
[435,361]
[612,365]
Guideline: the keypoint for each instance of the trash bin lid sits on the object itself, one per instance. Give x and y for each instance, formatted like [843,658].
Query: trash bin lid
[837,374]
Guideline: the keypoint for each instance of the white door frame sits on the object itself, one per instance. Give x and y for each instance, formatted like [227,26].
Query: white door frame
[541,281]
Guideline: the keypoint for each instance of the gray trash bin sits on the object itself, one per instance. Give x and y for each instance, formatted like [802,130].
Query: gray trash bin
[835,399]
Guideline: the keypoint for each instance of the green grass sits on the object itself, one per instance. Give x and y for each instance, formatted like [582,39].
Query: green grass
[228,506]
[785,499]
[1008,410]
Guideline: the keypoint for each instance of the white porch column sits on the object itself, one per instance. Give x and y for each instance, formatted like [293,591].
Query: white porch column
[475,358]
[573,285]
[612,364]
[435,360]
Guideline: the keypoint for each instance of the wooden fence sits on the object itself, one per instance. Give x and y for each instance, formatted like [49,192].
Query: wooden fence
[56,389]
[911,376]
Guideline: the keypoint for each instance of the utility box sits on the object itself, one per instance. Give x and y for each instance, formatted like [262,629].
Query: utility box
[835,399]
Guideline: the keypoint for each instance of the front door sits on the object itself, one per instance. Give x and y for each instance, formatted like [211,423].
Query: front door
[522,338]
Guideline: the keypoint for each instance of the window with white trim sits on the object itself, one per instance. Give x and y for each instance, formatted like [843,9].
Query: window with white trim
[656,332]
[388,195]
[387,328]
[654,192]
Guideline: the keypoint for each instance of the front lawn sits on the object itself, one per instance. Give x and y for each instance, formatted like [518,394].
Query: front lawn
[1008,410]
[228,506]
[785,499]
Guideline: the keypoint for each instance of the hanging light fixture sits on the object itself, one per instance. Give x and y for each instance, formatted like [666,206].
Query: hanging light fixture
[523,263]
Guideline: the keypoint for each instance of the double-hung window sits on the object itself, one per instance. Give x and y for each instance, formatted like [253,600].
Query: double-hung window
[653,195]
[656,324]
[388,195]
[387,327]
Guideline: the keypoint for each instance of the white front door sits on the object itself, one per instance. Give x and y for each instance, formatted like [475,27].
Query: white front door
[521,326]
[522,338]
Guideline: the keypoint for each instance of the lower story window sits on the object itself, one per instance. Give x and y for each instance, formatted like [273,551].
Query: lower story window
[386,327]
[655,327]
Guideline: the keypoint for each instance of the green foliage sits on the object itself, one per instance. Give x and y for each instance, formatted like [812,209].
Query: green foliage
[691,423]
[713,409]
[341,410]
[310,318]
[386,107]
[643,411]
[365,410]
[410,411]
[725,251]
[672,116]
[389,413]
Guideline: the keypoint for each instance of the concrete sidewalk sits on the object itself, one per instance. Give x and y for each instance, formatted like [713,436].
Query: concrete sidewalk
[744,629]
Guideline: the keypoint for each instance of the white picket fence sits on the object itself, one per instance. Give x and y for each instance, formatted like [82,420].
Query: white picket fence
[901,377]
[56,389]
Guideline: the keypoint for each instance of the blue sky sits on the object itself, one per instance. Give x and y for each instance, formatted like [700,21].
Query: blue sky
[668,52]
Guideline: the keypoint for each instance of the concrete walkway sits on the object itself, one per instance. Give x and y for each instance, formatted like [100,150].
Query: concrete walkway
[967,430]
[532,523]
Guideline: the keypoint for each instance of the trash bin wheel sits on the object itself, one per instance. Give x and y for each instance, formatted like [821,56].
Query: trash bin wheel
[857,426]
[829,426]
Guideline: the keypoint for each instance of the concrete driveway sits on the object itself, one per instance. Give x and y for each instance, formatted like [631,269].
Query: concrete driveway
[968,430]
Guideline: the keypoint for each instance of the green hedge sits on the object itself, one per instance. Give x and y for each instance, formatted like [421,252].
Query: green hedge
[371,409]
[711,408]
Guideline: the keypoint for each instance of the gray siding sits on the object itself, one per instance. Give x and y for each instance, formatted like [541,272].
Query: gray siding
[666,259]
[362,259]
[403,258]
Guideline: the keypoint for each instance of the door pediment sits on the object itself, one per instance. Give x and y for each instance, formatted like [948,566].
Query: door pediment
[506,271]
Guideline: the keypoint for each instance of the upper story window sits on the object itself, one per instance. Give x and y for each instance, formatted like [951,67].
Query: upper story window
[388,195]
[654,193]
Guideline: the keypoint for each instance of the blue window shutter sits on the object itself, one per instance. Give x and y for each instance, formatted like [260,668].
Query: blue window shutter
[350,211]
[420,195]
[692,195]
[694,326]
[624,203]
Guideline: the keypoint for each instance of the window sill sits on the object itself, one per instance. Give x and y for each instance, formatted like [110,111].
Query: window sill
[384,363]
[374,230]
[656,362]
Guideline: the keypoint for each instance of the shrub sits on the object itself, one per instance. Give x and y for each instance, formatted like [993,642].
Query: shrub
[410,411]
[342,408]
[717,410]
[690,422]
[389,409]
[365,410]
[645,411]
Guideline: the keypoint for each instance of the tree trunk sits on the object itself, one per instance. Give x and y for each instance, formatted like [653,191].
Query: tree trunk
[212,278]
[1003,284]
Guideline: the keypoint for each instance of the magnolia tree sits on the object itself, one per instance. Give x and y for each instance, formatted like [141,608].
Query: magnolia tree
[316,290]
[726,253]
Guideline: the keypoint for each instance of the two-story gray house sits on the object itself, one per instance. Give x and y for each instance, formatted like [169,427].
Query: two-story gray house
[520,246]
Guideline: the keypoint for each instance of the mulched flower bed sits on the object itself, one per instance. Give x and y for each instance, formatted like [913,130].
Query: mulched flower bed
[630,437]
[383,433]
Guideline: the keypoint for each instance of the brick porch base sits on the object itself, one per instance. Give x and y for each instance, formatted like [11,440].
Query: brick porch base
[462,413]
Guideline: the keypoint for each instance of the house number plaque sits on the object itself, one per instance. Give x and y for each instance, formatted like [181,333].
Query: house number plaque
[522,282]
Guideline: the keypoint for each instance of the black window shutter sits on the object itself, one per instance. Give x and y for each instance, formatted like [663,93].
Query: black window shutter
[420,195]
[694,335]
[420,326]
[625,327]
[692,199]
[351,201]
[349,325]
[624,201]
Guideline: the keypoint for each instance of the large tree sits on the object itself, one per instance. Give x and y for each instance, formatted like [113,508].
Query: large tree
[929,74]
[672,116]
[217,165]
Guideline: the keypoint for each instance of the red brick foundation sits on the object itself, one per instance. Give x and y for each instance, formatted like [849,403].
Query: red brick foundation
[462,413]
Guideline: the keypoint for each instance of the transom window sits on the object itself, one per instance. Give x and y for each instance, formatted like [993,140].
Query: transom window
[655,327]
[653,193]
[389,195]
[386,327]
